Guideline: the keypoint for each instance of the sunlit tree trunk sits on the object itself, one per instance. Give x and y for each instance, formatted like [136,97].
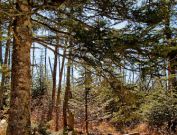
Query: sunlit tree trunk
[19,113]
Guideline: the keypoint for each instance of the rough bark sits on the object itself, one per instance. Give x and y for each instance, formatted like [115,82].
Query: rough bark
[70,120]
[19,113]
[59,91]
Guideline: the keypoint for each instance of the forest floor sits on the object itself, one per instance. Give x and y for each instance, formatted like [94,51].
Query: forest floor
[100,128]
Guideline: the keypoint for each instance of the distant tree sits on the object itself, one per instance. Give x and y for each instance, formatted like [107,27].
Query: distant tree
[67,94]
[58,100]
[5,66]
[54,73]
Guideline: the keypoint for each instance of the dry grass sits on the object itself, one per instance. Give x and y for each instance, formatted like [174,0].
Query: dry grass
[144,129]
[3,127]
[141,128]
[2,131]
[105,128]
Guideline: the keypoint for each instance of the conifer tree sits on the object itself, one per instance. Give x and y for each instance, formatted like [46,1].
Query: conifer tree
[19,114]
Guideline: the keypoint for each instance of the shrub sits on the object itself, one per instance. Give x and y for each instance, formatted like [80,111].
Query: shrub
[40,86]
[160,108]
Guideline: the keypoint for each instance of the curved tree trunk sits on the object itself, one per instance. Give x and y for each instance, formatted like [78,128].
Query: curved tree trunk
[19,114]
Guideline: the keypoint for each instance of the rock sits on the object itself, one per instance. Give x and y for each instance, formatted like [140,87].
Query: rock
[3,127]
[3,123]
[70,133]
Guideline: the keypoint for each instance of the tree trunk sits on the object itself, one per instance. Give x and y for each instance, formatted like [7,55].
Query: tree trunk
[59,91]
[19,113]
[86,110]
[51,106]
[87,89]
[50,64]
[45,63]
[5,64]
[33,61]
[66,95]
[1,90]
[9,62]
[1,43]
[70,120]
[172,55]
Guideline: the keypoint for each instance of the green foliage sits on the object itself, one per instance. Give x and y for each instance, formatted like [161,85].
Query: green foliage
[128,112]
[119,104]
[41,129]
[159,108]
[40,86]
[5,70]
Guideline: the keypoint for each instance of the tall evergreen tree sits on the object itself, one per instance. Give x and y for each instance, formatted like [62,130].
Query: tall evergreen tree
[19,115]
